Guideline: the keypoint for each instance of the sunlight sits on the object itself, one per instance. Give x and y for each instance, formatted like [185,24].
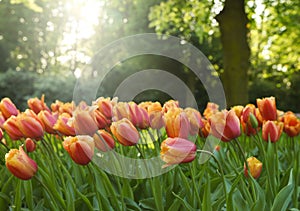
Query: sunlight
[82,18]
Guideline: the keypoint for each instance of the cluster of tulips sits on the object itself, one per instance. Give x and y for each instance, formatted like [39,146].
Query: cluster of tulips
[107,124]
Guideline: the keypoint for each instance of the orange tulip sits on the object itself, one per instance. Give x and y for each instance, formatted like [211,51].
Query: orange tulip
[177,123]
[85,121]
[37,105]
[80,148]
[12,129]
[64,125]
[225,125]
[211,108]
[30,145]
[255,167]
[272,130]
[238,110]
[267,108]
[170,105]
[156,116]
[29,126]
[8,108]
[49,119]
[177,150]
[125,132]
[204,131]
[19,164]
[195,120]
[291,124]
[104,141]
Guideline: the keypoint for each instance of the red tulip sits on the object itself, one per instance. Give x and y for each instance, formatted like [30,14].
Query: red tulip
[225,125]
[267,108]
[19,164]
[125,132]
[104,141]
[271,130]
[30,145]
[80,148]
[177,150]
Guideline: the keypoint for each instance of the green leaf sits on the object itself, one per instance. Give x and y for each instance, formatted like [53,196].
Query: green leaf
[184,202]
[206,202]
[148,203]
[284,197]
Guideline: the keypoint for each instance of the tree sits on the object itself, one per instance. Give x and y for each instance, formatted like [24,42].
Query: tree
[236,52]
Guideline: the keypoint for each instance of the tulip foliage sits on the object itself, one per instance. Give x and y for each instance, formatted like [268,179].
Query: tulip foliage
[247,157]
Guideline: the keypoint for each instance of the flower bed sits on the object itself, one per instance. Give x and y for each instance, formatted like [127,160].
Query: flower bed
[124,156]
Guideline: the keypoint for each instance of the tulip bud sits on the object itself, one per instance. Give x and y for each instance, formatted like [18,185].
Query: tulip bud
[255,167]
[29,126]
[103,141]
[30,145]
[253,121]
[177,150]
[12,129]
[48,119]
[80,148]
[19,164]
[125,132]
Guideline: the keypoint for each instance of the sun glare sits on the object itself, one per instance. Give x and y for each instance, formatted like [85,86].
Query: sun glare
[82,18]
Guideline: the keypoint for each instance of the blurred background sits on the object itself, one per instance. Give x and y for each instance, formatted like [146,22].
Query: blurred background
[254,46]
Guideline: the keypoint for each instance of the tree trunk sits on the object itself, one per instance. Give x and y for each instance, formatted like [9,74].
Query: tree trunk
[232,22]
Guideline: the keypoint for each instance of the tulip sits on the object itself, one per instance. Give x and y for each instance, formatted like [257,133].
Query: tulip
[170,105]
[238,110]
[2,120]
[12,129]
[138,116]
[85,121]
[30,126]
[30,145]
[210,109]
[204,131]
[177,123]
[177,150]
[80,148]
[247,120]
[125,132]
[105,106]
[8,108]
[291,124]
[225,125]
[104,141]
[267,108]
[120,111]
[255,167]
[19,164]
[48,119]
[155,115]
[195,120]
[64,125]
[37,105]
[271,130]
[101,120]
[1,134]
[61,107]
